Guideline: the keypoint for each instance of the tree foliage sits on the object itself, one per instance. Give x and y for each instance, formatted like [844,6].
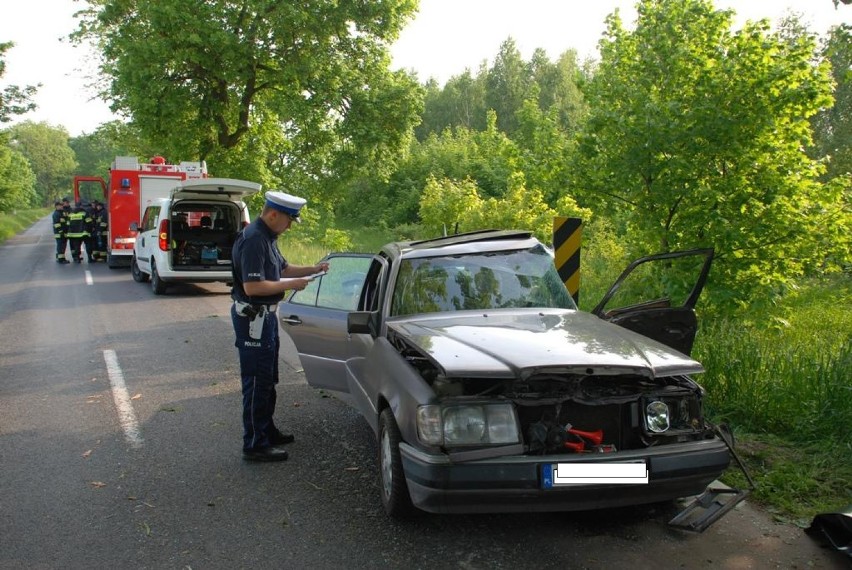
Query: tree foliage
[508,81]
[459,103]
[696,137]
[486,157]
[14,100]
[304,85]
[833,126]
[504,88]
[50,157]
[96,151]
[448,206]
[17,181]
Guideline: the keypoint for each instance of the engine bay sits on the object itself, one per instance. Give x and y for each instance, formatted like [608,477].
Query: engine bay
[582,413]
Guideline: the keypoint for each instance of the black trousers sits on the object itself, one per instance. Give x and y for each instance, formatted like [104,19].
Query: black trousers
[76,242]
[259,374]
[90,247]
[61,243]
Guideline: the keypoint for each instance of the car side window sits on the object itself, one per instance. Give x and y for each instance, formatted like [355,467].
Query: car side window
[370,294]
[150,219]
[340,288]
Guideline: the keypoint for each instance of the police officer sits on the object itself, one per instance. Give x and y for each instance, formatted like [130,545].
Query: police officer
[261,276]
[79,224]
[60,226]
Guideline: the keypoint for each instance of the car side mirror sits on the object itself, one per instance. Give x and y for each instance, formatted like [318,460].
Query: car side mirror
[134,227]
[363,322]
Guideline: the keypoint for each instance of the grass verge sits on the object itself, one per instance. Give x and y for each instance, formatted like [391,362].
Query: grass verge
[13,223]
[783,381]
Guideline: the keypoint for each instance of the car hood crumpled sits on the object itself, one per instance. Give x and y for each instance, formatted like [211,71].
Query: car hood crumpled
[506,344]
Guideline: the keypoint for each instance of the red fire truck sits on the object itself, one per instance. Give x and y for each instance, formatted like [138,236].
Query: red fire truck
[132,187]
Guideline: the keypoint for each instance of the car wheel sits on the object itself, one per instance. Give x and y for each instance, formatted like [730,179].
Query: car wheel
[137,274]
[157,284]
[395,496]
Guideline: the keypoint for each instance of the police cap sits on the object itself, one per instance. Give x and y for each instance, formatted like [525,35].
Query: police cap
[290,205]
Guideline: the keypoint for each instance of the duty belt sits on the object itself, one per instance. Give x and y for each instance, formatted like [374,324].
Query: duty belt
[247,308]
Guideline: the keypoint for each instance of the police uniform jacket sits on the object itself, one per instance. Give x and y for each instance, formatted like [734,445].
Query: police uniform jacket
[255,257]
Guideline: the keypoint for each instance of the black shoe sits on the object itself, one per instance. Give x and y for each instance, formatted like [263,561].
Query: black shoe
[91,260]
[265,454]
[64,261]
[279,438]
[78,261]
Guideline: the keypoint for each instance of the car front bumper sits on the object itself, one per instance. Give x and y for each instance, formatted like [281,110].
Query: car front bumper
[514,483]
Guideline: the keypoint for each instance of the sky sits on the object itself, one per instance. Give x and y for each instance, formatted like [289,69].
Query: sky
[445,38]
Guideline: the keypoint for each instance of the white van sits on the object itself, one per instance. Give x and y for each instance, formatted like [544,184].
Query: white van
[188,236]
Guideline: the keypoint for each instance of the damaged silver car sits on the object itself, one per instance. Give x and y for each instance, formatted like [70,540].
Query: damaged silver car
[489,391]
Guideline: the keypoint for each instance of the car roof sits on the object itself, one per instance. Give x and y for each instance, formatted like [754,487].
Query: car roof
[470,242]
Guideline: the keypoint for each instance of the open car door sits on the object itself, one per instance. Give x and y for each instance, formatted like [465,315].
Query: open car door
[316,319]
[656,295]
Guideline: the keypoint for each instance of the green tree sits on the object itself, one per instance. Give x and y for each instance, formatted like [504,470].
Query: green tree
[96,151]
[14,100]
[560,89]
[460,103]
[17,181]
[833,126]
[445,206]
[545,150]
[487,158]
[508,83]
[309,82]
[50,157]
[696,137]
[520,208]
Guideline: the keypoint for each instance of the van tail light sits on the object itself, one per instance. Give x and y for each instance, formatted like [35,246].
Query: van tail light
[164,235]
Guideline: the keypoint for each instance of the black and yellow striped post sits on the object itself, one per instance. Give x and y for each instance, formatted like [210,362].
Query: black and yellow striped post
[566,246]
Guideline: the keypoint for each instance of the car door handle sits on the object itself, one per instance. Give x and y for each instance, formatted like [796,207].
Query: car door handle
[291,320]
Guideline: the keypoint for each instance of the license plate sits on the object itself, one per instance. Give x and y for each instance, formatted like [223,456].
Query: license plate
[567,474]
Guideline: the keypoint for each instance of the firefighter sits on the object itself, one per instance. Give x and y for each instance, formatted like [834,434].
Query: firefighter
[60,227]
[89,240]
[99,232]
[79,227]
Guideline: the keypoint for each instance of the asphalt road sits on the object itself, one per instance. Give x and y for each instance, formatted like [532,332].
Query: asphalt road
[155,479]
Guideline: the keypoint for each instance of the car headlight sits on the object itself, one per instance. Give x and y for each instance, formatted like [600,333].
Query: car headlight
[657,416]
[467,424]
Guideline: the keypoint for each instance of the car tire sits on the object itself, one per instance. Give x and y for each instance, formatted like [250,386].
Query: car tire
[136,273]
[158,286]
[395,496]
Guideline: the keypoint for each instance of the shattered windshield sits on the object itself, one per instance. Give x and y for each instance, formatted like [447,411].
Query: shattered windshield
[492,280]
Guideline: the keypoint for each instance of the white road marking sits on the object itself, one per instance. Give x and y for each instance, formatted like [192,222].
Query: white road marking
[89,280]
[126,416]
